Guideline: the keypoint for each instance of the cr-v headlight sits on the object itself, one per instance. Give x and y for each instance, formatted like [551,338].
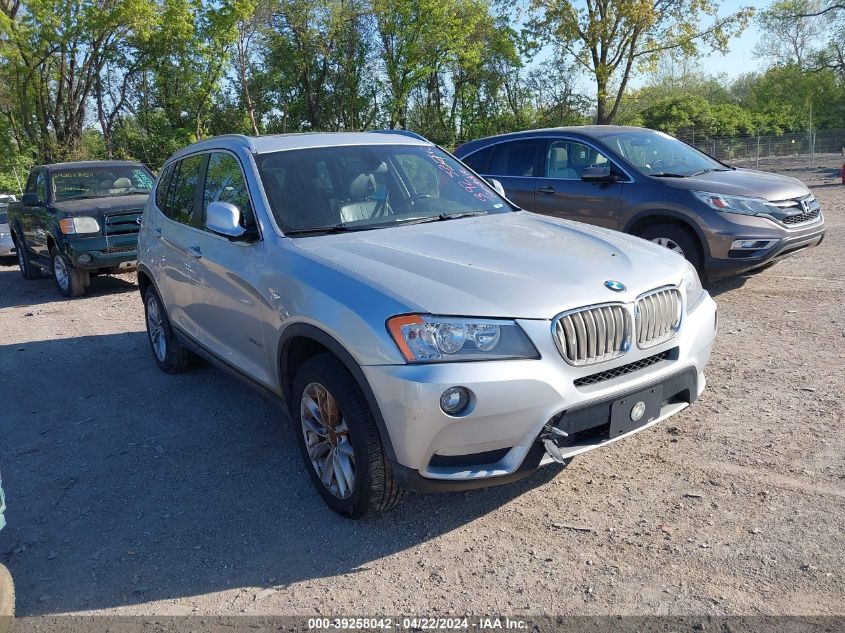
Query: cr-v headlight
[425,338]
[692,286]
[733,204]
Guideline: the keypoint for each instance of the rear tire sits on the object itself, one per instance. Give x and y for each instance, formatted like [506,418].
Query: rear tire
[678,239]
[7,595]
[27,268]
[70,281]
[343,435]
[170,355]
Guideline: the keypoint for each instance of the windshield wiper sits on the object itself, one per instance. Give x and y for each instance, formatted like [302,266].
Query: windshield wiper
[337,228]
[441,217]
[667,174]
[707,171]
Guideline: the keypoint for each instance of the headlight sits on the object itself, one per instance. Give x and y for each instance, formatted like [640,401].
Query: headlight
[425,338]
[81,224]
[733,204]
[692,287]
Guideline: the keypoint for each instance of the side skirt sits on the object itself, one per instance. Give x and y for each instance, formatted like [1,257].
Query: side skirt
[206,354]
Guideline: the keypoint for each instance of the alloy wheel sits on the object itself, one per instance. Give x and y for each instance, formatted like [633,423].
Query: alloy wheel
[326,436]
[669,243]
[155,328]
[60,272]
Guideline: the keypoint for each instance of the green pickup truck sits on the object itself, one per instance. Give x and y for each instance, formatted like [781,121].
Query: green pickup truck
[79,219]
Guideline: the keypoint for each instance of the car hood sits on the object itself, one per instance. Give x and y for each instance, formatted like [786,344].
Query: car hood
[112,204]
[517,265]
[743,182]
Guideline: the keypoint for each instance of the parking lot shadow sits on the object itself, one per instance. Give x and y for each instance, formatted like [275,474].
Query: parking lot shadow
[125,485]
[18,291]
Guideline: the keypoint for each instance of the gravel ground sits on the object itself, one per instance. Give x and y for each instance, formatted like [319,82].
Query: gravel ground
[135,492]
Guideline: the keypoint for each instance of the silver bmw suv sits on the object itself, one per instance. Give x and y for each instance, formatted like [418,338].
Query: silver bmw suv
[423,332]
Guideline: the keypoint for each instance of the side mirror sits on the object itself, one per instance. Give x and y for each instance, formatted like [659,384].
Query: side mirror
[30,200]
[224,219]
[497,186]
[596,174]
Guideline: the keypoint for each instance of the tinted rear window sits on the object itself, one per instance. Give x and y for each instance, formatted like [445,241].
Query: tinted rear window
[516,158]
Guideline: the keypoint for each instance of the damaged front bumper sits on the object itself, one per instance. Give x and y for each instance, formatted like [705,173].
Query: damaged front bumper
[528,413]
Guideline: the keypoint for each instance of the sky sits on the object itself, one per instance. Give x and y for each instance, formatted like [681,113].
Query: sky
[739,59]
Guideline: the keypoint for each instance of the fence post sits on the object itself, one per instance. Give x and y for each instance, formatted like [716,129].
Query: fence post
[758,151]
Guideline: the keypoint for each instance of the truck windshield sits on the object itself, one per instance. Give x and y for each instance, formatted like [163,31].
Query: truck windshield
[362,187]
[101,182]
[658,154]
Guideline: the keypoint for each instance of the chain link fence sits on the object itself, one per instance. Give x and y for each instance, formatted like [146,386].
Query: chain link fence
[755,148]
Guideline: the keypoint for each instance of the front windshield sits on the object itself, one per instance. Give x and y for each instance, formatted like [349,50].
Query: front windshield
[656,154]
[101,182]
[370,186]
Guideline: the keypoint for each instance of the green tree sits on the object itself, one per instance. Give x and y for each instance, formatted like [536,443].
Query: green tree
[612,38]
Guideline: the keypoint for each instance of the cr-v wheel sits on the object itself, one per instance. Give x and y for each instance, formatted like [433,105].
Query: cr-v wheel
[170,355]
[339,441]
[677,239]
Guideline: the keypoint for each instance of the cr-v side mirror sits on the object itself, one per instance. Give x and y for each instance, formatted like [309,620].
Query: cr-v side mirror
[30,200]
[596,173]
[497,186]
[224,219]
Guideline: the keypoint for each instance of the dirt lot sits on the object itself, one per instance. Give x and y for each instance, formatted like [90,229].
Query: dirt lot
[134,492]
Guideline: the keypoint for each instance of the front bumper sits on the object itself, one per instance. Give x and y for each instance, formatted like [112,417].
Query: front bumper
[497,440]
[723,262]
[113,252]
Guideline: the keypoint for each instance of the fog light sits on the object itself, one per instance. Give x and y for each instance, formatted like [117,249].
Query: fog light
[85,258]
[638,411]
[751,245]
[454,400]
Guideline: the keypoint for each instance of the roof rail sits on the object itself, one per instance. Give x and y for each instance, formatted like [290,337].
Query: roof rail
[402,133]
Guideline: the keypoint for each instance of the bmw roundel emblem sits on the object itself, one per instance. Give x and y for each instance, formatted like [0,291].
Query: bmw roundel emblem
[615,286]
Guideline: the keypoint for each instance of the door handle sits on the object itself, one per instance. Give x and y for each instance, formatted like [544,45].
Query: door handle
[546,189]
[195,252]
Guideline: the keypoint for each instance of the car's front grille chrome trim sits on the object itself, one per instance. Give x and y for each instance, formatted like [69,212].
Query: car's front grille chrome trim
[594,334]
[658,316]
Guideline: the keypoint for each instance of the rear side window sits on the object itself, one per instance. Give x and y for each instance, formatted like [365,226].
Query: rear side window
[480,160]
[37,183]
[224,182]
[181,193]
[516,158]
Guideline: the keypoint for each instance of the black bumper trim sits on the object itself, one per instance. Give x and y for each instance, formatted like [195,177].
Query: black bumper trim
[720,268]
[683,381]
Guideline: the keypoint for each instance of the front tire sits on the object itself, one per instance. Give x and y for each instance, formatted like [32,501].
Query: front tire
[339,440]
[7,594]
[28,269]
[170,355]
[70,281]
[677,239]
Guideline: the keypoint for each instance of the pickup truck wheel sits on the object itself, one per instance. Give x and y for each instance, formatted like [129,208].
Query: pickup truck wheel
[70,281]
[339,440]
[7,595]
[28,269]
[170,355]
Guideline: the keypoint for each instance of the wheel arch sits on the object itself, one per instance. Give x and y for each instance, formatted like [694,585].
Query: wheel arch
[302,341]
[644,219]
